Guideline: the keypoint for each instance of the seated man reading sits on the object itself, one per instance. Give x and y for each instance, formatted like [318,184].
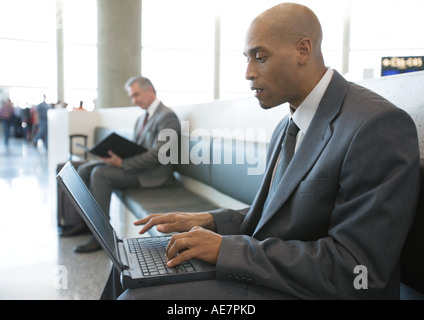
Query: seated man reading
[139,171]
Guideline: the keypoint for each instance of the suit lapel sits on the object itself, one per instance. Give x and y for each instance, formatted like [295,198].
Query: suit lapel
[137,128]
[149,124]
[313,143]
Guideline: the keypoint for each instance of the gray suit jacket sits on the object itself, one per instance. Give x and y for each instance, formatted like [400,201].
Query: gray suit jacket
[150,172]
[348,198]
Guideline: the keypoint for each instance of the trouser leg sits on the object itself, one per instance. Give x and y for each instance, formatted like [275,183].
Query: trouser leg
[85,169]
[104,179]
[113,288]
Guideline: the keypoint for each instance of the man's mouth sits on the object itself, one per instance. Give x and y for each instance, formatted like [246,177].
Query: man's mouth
[257,91]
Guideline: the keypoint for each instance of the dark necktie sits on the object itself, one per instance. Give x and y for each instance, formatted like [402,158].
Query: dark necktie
[146,118]
[287,152]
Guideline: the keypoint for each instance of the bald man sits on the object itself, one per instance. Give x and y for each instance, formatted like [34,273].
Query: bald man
[335,226]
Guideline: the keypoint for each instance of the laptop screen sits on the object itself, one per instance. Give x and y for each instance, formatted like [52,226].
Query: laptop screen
[88,208]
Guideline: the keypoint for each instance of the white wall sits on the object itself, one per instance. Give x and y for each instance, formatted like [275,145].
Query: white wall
[407,92]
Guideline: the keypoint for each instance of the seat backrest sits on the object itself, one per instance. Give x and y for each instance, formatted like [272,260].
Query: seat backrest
[101,133]
[412,259]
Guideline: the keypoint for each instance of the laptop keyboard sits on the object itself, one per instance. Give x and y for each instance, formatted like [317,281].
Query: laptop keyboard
[150,252]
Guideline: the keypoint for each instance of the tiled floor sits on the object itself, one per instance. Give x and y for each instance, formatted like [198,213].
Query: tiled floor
[35,263]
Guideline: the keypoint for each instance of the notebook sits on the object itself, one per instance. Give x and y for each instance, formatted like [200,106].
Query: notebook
[119,145]
[126,253]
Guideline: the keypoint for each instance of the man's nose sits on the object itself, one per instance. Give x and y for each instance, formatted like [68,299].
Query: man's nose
[251,73]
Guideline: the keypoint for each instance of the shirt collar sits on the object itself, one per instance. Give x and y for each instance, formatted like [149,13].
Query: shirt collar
[306,111]
[153,107]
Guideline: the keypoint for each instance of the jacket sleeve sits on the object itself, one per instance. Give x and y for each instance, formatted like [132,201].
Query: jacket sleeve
[228,221]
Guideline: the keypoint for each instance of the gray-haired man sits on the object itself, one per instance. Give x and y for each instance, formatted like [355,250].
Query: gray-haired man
[140,171]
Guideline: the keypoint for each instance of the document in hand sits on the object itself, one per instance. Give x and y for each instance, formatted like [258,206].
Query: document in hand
[119,145]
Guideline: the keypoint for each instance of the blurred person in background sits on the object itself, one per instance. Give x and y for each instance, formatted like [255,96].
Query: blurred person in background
[7,115]
[41,119]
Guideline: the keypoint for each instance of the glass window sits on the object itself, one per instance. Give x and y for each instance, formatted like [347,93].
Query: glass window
[177,54]
[392,24]
[80,19]
[28,52]
[27,63]
[379,29]
[178,44]
[28,19]
[184,24]
[80,57]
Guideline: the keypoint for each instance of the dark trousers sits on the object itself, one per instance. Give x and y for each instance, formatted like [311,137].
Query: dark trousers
[113,288]
[196,290]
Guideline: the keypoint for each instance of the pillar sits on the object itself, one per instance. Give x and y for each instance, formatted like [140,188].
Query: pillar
[217,59]
[119,49]
[346,37]
[60,52]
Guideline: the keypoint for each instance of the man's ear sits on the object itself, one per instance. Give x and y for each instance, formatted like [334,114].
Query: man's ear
[304,50]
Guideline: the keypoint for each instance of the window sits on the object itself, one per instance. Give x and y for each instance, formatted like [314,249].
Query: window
[177,49]
[27,42]
[80,52]
[379,29]
[180,52]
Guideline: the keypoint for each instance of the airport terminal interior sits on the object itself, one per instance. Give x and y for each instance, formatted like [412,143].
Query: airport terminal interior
[192,51]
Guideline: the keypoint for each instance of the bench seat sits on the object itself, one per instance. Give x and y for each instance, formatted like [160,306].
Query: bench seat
[171,198]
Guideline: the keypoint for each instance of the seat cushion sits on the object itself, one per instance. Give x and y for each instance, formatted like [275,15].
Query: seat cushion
[173,198]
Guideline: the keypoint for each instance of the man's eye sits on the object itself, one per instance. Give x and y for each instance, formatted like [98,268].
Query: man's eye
[260,59]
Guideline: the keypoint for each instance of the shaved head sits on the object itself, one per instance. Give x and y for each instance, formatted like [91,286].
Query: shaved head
[285,61]
[290,22]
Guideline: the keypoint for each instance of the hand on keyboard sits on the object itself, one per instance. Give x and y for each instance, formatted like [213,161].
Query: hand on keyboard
[150,254]
[197,243]
[176,222]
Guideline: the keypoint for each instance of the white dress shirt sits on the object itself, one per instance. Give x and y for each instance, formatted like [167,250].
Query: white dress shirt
[152,108]
[306,111]
[304,114]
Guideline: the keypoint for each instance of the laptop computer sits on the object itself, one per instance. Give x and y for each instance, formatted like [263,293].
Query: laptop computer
[129,255]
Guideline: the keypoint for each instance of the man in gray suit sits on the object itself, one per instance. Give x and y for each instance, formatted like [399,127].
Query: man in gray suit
[140,171]
[335,226]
